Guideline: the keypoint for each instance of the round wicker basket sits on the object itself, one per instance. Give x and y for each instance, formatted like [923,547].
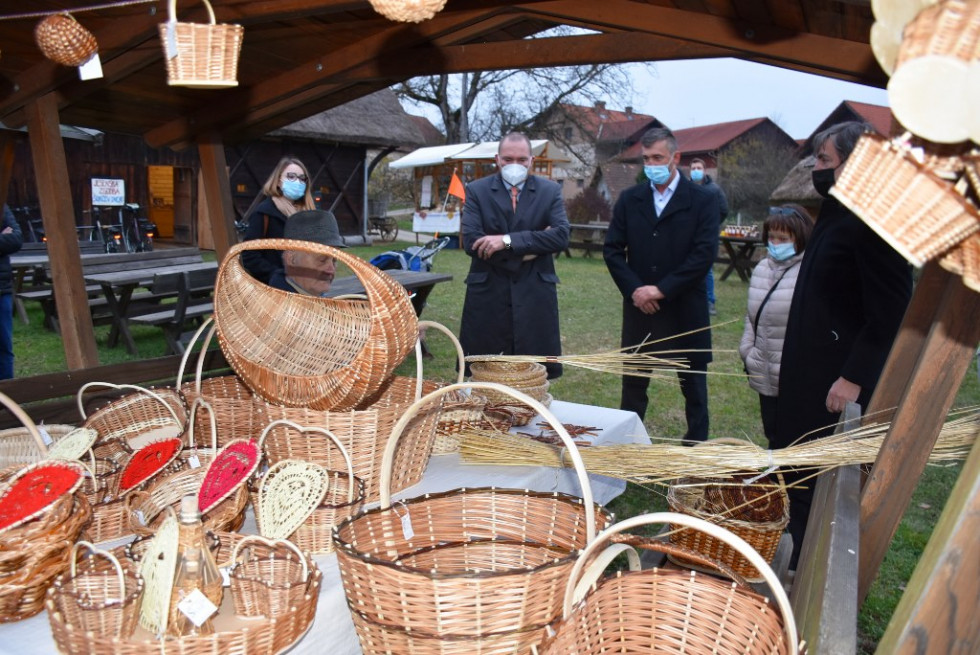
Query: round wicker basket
[63,40]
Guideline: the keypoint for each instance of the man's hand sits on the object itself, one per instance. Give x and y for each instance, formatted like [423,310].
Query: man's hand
[7,230]
[842,392]
[488,244]
[647,299]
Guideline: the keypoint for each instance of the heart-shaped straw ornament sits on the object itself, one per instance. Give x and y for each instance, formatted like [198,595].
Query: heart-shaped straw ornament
[74,444]
[148,461]
[35,488]
[288,494]
[231,467]
[157,567]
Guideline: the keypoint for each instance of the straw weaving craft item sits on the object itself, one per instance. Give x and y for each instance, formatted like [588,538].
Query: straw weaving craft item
[200,55]
[98,599]
[35,489]
[408,11]
[145,509]
[671,611]
[137,418]
[147,462]
[63,40]
[470,570]
[73,445]
[104,474]
[229,471]
[520,415]
[303,351]
[288,494]
[157,568]
[268,576]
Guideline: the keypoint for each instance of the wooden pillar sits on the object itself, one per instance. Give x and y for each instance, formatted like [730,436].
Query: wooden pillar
[217,192]
[51,172]
[940,364]
[6,164]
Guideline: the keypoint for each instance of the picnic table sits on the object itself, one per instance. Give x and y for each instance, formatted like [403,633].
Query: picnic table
[588,237]
[741,255]
[420,283]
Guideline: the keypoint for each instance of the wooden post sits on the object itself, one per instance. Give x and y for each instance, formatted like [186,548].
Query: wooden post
[51,172]
[942,360]
[217,193]
[937,613]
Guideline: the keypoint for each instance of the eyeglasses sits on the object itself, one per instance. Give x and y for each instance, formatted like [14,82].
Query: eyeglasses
[295,176]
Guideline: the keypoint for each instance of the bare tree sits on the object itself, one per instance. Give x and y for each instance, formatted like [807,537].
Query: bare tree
[750,171]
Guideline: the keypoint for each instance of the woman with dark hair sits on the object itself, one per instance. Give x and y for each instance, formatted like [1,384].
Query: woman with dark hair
[287,191]
[786,231]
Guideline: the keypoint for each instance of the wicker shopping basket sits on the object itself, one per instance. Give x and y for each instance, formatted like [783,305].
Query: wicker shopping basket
[135,419]
[465,571]
[302,351]
[670,611]
[200,55]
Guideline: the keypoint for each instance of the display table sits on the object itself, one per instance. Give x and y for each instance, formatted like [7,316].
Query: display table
[333,630]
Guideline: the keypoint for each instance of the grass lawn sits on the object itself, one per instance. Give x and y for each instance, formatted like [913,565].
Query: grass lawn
[590,309]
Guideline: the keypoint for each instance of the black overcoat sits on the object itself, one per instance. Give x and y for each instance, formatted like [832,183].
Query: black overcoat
[851,294]
[511,304]
[674,252]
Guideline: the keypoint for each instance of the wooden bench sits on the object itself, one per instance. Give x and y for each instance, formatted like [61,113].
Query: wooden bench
[194,302]
[587,237]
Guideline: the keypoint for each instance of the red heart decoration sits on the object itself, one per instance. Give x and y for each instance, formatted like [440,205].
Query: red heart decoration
[35,489]
[148,461]
[230,468]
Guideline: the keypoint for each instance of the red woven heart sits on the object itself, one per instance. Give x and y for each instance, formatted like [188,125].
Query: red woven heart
[34,490]
[148,461]
[230,468]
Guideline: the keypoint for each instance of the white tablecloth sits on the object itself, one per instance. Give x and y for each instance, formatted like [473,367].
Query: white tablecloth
[333,631]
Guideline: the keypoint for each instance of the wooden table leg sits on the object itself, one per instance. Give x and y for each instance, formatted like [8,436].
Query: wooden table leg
[732,260]
[118,307]
[743,261]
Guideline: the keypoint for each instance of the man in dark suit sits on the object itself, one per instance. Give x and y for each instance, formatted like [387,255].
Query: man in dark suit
[512,224]
[661,242]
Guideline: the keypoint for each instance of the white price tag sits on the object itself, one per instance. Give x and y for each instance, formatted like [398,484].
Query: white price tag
[407,529]
[170,43]
[92,69]
[139,516]
[197,607]
[45,437]
[225,578]
[194,461]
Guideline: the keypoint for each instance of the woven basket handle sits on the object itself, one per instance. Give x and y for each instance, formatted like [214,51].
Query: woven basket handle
[392,446]
[460,357]
[733,540]
[191,441]
[209,321]
[591,574]
[22,416]
[109,556]
[333,438]
[110,385]
[669,548]
[250,540]
[172,10]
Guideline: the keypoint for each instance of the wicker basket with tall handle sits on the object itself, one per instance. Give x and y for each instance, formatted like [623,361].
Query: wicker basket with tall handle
[200,55]
[135,419]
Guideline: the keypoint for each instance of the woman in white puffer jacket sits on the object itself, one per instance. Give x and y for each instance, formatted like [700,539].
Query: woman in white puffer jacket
[785,232]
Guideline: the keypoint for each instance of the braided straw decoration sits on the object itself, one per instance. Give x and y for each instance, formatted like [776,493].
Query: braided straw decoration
[64,41]
[302,351]
[228,472]
[408,11]
[158,567]
[288,495]
[74,444]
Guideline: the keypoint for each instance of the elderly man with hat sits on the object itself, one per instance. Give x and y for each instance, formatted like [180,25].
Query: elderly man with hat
[306,272]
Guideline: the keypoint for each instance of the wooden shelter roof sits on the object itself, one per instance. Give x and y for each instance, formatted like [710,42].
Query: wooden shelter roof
[301,57]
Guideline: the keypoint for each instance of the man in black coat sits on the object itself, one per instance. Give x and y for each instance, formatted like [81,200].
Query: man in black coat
[512,225]
[848,303]
[661,242]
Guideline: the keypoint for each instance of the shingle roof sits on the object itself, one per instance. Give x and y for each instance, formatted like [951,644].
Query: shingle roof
[712,137]
[878,116]
[607,124]
[429,132]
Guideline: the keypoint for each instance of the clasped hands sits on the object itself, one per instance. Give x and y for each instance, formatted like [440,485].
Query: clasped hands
[647,299]
[488,244]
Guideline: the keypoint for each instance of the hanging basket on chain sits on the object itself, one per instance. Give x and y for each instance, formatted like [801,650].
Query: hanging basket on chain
[408,11]
[63,40]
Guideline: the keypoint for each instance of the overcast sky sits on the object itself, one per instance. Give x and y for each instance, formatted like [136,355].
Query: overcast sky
[691,93]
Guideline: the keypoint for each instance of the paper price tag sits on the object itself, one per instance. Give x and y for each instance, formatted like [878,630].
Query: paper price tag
[194,461]
[91,69]
[407,529]
[139,516]
[170,43]
[197,607]
[225,578]
[45,437]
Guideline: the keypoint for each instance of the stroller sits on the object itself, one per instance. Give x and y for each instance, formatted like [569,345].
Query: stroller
[413,258]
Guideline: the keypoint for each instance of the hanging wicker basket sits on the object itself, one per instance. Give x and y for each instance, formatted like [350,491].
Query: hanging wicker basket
[408,11]
[200,55]
[63,40]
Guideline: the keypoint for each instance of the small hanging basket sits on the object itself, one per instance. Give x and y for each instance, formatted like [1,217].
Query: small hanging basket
[63,40]
[203,56]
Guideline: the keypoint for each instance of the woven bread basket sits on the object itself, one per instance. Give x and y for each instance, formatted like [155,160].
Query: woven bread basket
[301,351]
[200,55]
[464,571]
[534,374]
[63,40]
[670,611]
[268,577]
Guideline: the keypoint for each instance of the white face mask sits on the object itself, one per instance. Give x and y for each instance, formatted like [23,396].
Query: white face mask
[513,174]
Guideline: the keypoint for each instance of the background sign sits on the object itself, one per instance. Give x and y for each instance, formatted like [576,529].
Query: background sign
[108,191]
[432,222]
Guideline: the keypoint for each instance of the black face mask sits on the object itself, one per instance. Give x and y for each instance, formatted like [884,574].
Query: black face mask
[823,179]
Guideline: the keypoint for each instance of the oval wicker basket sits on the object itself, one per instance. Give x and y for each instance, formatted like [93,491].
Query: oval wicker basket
[63,40]
[136,418]
[301,351]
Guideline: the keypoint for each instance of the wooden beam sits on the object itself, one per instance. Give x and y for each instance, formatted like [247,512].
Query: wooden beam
[217,193]
[943,359]
[53,190]
[937,612]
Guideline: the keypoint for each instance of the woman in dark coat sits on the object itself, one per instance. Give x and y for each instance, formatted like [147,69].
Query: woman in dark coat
[287,191]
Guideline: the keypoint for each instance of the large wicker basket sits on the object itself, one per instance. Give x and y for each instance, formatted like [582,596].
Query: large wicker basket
[302,351]
[671,611]
[465,571]
[205,55]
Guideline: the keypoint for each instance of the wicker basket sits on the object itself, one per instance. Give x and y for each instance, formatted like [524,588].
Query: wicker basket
[144,510]
[204,55]
[917,213]
[301,351]
[19,446]
[63,40]
[533,375]
[670,611]
[964,260]
[136,418]
[268,577]
[99,599]
[470,414]
[757,513]
[463,571]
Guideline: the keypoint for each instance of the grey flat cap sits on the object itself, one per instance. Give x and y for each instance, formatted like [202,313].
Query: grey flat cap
[316,225]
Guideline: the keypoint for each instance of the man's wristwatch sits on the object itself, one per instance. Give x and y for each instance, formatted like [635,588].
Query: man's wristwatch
[506,239]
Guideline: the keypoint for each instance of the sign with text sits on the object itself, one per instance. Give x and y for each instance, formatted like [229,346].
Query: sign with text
[432,222]
[108,191]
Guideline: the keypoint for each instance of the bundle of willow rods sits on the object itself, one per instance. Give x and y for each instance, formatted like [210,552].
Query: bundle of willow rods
[666,461]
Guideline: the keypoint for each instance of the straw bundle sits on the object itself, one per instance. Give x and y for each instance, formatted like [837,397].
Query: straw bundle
[662,462]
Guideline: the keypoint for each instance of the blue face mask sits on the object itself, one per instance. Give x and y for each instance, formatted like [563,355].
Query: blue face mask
[697,175]
[293,189]
[781,251]
[657,174]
